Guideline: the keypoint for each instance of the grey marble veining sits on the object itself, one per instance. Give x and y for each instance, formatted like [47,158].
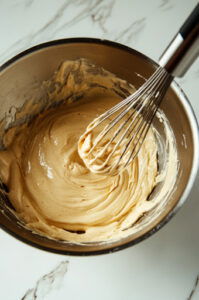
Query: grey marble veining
[132,32]
[28,3]
[194,294]
[32,37]
[47,283]
[166,4]
[96,11]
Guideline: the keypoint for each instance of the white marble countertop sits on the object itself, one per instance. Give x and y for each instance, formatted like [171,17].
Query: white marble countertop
[165,266]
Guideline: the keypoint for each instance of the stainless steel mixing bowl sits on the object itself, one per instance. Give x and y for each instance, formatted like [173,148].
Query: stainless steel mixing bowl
[19,79]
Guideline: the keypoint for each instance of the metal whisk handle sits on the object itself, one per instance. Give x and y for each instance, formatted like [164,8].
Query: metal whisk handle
[184,48]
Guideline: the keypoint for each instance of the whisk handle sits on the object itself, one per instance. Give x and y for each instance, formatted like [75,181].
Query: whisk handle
[184,48]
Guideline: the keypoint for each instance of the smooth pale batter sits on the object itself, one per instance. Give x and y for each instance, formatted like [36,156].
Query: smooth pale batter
[55,194]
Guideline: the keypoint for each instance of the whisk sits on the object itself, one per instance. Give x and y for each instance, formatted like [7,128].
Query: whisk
[114,139]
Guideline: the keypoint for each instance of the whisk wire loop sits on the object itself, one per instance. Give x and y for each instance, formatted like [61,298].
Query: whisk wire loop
[130,121]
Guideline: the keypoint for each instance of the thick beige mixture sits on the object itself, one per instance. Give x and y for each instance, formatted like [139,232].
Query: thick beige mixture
[107,146]
[54,192]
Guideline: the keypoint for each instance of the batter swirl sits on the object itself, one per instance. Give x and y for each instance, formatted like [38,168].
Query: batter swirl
[57,195]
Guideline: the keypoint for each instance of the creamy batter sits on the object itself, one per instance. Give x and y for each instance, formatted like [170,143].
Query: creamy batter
[53,191]
[107,146]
